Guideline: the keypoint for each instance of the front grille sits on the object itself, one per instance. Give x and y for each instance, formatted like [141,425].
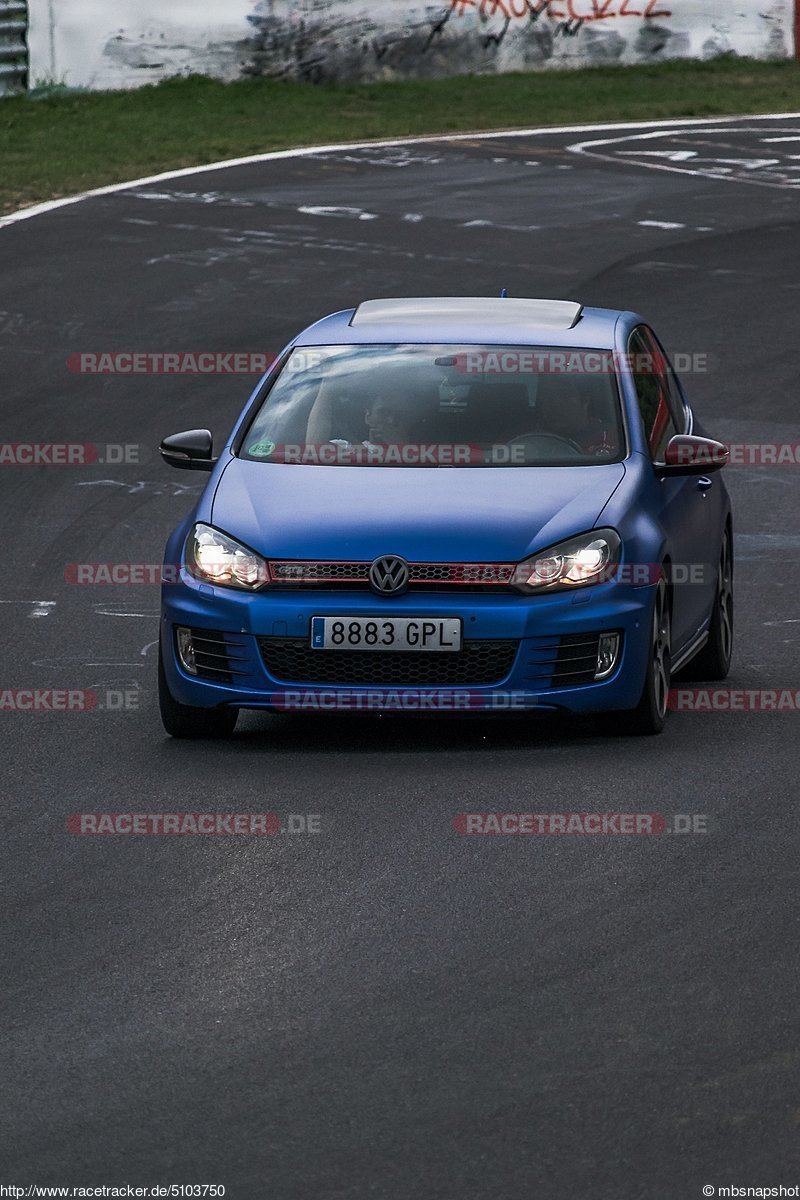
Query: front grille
[218,656]
[478,664]
[308,573]
[423,576]
[567,661]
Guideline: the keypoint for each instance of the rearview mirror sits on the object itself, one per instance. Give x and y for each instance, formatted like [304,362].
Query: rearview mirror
[689,455]
[190,451]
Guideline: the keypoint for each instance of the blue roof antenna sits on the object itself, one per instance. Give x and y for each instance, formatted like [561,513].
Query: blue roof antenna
[504,294]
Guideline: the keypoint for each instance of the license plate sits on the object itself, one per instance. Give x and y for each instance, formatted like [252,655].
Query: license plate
[386,633]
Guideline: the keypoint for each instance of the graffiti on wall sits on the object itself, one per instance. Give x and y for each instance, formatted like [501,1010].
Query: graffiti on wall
[568,16]
[561,10]
[348,39]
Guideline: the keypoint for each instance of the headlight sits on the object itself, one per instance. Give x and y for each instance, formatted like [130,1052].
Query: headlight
[216,558]
[591,558]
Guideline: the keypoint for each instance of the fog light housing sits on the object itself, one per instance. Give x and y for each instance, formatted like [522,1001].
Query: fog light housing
[183,637]
[607,655]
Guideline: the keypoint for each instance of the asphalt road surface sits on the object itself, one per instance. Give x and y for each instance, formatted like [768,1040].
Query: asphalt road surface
[386,1008]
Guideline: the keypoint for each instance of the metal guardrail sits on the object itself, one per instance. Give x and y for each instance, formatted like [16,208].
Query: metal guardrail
[13,47]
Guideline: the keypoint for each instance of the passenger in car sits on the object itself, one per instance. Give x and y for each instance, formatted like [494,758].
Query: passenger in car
[387,419]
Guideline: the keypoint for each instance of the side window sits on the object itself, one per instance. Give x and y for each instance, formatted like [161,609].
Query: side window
[678,406]
[651,375]
[666,368]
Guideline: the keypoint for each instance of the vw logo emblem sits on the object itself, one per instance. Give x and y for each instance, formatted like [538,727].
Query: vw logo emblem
[389,575]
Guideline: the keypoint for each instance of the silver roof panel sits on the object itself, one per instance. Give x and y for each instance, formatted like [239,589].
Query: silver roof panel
[469,311]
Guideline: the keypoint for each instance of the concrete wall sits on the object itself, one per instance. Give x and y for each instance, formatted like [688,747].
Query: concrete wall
[124,43]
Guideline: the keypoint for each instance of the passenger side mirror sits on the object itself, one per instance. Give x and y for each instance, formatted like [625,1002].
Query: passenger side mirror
[688,455]
[190,451]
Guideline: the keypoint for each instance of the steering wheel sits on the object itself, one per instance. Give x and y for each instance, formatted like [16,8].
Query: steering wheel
[535,436]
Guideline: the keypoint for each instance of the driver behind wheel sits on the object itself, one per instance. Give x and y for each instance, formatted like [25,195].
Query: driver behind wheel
[567,414]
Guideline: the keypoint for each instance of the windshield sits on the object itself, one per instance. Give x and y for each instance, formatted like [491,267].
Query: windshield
[410,405]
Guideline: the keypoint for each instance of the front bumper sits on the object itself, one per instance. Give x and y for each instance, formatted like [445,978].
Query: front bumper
[536,624]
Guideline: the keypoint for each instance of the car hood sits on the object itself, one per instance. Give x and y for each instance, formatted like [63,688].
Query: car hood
[460,514]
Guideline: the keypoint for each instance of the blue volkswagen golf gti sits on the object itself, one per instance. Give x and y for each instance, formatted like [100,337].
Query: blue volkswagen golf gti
[451,505]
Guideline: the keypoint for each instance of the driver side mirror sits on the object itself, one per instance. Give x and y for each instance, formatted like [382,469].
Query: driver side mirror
[190,451]
[688,455]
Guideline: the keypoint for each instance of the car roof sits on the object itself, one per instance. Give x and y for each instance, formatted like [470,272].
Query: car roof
[467,320]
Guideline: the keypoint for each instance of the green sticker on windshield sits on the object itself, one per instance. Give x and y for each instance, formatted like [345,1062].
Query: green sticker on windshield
[262,449]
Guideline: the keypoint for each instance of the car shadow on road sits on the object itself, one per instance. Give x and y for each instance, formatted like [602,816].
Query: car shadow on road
[360,734]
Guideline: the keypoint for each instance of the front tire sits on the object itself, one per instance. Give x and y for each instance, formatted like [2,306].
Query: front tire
[187,721]
[650,713]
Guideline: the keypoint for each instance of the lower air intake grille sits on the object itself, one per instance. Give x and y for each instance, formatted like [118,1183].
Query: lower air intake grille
[560,662]
[479,664]
[216,656]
